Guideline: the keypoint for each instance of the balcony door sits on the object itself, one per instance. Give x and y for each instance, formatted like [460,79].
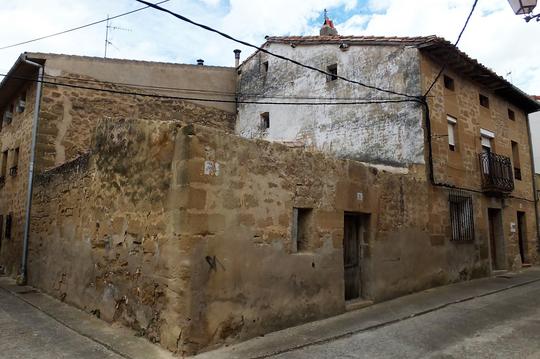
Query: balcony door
[486,150]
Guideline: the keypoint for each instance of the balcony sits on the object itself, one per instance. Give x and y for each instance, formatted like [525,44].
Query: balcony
[497,173]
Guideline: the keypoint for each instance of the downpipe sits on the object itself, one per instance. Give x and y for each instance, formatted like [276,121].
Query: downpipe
[23,276]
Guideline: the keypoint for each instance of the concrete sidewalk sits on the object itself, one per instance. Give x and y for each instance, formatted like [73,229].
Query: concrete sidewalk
[40,319]
[373,317]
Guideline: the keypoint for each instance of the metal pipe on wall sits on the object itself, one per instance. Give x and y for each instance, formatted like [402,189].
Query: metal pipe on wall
[22,280]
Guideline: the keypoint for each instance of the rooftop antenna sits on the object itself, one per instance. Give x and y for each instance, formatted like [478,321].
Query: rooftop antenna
[109,29]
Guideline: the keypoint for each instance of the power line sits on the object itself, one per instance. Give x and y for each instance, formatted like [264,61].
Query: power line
[142,94]
[183,18]
[78,27]
[211,92]
[455,44]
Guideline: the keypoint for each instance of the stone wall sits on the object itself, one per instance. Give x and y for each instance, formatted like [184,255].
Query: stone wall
[100,235]
[248,280]
[183,232]
[461,168]
[17,134]
[68,115]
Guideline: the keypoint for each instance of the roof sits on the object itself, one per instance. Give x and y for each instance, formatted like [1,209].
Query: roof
[439,50]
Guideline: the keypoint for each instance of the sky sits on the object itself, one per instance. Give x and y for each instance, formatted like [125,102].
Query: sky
[495,36]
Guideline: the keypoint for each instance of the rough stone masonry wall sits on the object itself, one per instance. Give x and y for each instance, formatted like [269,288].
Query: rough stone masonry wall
[17,134]
[69,115]
[100,236]
[247,280]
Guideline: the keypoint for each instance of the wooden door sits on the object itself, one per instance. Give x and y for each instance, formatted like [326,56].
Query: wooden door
[351,256]
[521,228]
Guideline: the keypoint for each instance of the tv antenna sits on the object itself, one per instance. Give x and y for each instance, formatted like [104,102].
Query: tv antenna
[110,28]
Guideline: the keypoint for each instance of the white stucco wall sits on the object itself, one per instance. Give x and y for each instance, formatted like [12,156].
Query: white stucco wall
[389,134]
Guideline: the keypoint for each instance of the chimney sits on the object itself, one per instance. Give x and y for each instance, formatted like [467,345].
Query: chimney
[237,57]
[200,62]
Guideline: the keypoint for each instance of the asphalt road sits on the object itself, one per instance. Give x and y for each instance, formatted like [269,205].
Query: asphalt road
[502,325]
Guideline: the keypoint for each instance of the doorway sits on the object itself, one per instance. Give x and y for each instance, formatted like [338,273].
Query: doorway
[354,236]
[522,236]
[496,239]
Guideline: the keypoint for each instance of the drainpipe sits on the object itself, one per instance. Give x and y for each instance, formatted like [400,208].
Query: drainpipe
[534,186]
[22,280]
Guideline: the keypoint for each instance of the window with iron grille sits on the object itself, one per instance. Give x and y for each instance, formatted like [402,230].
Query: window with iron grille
[461,217]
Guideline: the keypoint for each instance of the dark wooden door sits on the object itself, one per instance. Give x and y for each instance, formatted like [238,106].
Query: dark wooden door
[351,256]
[492,238]
[521,228]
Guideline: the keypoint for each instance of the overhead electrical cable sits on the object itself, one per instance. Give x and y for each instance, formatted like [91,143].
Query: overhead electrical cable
[78,27]
[142,94]
[183,18]
[455,44]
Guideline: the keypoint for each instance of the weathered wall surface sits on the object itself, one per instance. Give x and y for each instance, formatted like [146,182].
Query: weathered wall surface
[379,133]
[101,238]
[69,115]
[17,134]
[205,82]
[462,167]
[183,232]
[247,280]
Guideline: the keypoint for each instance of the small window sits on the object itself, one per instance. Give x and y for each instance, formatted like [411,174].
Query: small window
[4,164]
[14,163]
[332,70]
[461,217]
[511,115]
[302,229]
[484,101]
[452,123]
[265,68]
[265,120]
[515,160]
[9,220]
[449,83]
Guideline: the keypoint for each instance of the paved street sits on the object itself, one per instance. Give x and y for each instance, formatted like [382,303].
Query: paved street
[503,325]
[488,318]
[56,330]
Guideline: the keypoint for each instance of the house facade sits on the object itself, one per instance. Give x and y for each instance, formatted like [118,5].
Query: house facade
[198,218]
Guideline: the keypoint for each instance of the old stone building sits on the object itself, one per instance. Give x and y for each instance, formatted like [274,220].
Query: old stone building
[209,221]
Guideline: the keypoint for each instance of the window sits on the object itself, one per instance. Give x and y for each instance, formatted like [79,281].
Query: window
[452,123]
[8,115]
[9,219]
[484,101]
[14,163]
[511,115]
[265,68]
[461,217]
[265,120]
[449,83]
[3,169]
[332,70]
[21,104]
[515,160]
[301,229]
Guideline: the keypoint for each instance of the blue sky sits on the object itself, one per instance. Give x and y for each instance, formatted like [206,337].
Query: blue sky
[495,36]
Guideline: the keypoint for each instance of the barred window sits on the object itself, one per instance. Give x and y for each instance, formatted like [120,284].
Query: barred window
[461,217]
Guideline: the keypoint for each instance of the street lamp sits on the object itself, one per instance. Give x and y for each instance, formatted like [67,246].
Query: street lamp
[524,7]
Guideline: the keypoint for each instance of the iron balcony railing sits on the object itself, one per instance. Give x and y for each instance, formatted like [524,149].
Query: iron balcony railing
[497,173]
